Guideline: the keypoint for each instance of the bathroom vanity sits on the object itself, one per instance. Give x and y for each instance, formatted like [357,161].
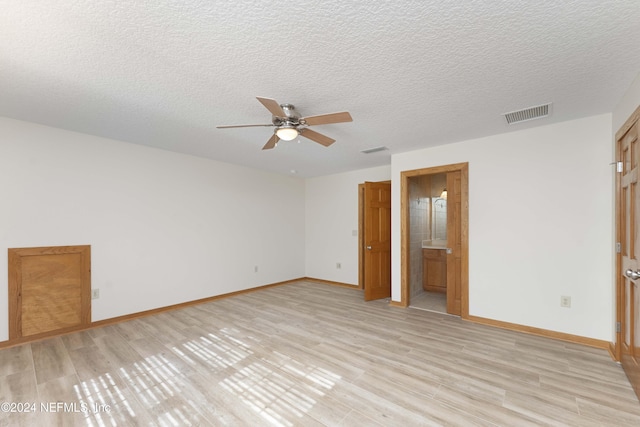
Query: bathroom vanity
[434,265]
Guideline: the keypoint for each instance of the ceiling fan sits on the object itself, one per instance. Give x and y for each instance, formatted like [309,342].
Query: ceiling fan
[288,123]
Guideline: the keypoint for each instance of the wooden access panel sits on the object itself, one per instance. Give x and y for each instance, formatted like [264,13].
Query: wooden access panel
[49,290]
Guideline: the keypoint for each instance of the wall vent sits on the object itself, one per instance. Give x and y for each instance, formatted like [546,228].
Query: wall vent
[527,114]
[374,150]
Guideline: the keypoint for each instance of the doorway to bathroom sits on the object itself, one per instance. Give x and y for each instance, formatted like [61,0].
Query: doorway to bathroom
[434,235]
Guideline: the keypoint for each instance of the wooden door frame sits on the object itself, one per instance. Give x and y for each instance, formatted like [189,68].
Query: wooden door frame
[616,347]
[464,228]
[360,236]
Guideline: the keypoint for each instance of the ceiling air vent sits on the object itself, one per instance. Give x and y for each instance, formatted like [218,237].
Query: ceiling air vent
[527,114]
[374,150]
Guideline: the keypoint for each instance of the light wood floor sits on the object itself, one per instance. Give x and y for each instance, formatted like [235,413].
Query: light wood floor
[310,354]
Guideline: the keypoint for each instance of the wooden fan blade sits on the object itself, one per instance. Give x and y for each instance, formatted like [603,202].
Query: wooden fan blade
[317,137]
[325,119]
[273,106]
[271,143]
[241,126]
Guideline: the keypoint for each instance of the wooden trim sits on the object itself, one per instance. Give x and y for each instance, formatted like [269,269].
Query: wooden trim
[634,117]
[15,278]
[124,318]
[591,342]
[399,304]
[464,223]
[436,170]
[612,351]
[329,282]
[405,274]
[360,236]
[617,351]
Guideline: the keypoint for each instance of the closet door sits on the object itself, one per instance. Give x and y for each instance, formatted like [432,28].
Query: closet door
[377,240]
[628,265]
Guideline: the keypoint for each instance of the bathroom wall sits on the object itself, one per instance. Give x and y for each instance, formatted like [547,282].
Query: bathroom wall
[419,207]
[439,207]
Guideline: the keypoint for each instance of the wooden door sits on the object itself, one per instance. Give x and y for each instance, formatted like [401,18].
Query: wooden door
[377,240]
[454,242]
[628,265]
[49,290]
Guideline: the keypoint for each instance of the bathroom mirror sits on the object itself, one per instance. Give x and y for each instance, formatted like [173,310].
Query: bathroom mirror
[439,219]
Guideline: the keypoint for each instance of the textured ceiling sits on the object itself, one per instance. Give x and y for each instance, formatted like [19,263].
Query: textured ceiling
[411,73]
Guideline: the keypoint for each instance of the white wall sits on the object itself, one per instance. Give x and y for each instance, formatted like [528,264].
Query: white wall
[164,228]
[539,224]
[331,217]
[627,105]
[167,228]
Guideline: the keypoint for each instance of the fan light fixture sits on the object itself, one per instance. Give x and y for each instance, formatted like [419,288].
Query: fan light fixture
[287,133]
[289,125]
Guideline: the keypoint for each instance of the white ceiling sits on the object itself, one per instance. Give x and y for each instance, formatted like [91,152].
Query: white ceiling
[412,73]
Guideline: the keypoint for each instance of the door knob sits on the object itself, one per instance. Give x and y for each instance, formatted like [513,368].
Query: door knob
[633,275]
[368,248]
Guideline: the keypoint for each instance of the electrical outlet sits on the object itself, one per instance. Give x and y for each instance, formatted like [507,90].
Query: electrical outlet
[354,233]
[255,269]
[95,293]
[565,301]
[338,265]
